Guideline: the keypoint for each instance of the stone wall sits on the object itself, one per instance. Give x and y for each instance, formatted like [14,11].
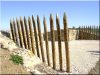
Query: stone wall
[73,35]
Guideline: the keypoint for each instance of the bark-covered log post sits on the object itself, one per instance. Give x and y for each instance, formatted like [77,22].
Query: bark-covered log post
[40,39]
[36,36]
[90,31]
[31,35]
[83,32]
[94,31]
[46,41]
[59,42]
[16,34]
[12,31]
[66,43]
[20,33]
[53,41]
[79,37]
[86,32]
[23,31]
[27,33]
[97,33]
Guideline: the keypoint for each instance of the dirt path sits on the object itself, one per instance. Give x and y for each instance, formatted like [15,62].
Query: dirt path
[7,66]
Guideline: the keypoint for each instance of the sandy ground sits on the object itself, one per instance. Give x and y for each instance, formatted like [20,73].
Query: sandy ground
[96,69]
[7,66]
[84,55]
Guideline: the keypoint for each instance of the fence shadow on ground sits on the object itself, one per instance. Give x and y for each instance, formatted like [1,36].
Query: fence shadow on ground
[95,70]
[95,52]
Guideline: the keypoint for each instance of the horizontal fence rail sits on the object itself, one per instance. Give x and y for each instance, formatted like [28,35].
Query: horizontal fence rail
[27,34]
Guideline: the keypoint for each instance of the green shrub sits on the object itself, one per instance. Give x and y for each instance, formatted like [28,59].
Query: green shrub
[16,59]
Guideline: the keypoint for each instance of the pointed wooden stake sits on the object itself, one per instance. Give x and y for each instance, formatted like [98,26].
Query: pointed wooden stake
[46,41]
[66,43]
[59,42]
[53,41]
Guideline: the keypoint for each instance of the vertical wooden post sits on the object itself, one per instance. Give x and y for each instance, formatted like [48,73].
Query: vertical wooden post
[79,34]
[97,35]
[90,32]
[59,42]
[53,41]
[16,35]
[36,36]
[27,34]
[20,33]
[46,41]
[11,35]
[12,31]
[86,32]
[92,29]
[40,38]
[66,43]
[18,38]
[23,32]
[88,29]
[82,32]
[94,33]
[31,35]
[98,32]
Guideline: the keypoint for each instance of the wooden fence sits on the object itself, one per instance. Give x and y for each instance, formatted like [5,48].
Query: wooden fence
[24,32]
[89,32]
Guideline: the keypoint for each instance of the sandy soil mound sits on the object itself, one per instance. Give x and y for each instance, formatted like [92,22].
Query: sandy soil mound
[7,66]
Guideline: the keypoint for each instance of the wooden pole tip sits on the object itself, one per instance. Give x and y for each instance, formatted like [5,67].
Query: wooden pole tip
[57,15]
[10,21]
[32,17]
[20,18]
[44,19]
[37,17]
[51,16]
[65,15]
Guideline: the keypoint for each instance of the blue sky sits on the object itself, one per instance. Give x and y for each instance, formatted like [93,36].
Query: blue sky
[78,12]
